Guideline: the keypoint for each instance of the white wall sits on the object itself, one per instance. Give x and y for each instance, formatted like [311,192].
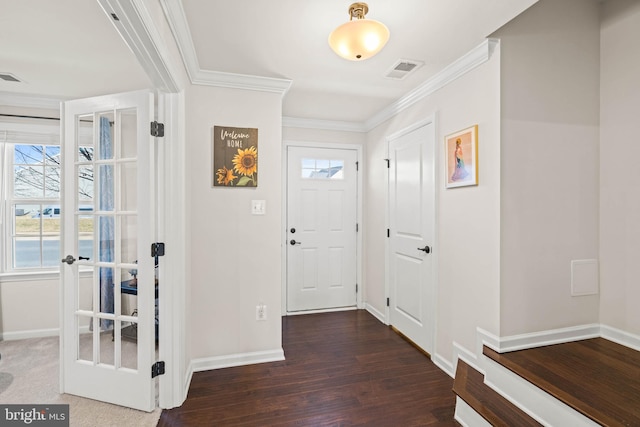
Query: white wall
[468,223]
[29,308]
[549,166]
[235,256]
[619,178]
[323,136]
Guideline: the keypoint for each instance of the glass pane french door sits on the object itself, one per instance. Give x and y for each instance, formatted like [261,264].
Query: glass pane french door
[108,337]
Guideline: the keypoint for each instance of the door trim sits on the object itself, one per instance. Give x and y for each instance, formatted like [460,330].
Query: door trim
[163,69]
[358,148]
[437,161]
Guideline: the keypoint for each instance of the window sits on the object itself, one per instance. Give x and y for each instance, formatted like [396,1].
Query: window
[322,169]
[30,205]
[34,206]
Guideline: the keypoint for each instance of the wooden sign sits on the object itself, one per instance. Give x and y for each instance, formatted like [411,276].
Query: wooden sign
[235,157]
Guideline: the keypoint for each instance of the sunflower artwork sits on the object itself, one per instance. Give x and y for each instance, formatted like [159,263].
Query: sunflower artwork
[235,157]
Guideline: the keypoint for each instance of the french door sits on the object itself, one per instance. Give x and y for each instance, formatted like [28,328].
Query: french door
[412,231]
[321,228]
[108,336]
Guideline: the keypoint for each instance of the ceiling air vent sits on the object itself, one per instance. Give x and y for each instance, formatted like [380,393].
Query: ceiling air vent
[8,77]
[403,68]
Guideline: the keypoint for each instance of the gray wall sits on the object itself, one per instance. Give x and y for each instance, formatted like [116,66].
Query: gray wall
[549,165]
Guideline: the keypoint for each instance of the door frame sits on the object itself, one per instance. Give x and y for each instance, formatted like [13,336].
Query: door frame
[437,161]
[285,173]
[139,31]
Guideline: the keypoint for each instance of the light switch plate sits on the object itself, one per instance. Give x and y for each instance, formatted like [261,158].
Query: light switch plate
[258,207]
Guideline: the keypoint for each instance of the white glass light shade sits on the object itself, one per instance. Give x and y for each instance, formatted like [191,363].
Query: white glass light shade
[359,39]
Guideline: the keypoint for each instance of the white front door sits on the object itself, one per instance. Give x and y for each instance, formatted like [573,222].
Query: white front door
[321,228]
[107,339]
[412,229]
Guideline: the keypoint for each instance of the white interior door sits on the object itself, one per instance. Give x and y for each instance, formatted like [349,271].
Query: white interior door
[321,228]
[412,229]
[108,337]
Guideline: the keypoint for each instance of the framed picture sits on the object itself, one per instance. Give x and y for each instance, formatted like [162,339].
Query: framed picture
[462,158]
[235,157]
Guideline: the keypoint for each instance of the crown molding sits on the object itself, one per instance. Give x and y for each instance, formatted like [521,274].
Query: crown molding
[29,101]
[295,122]
[177,19]
[240,81]
[472,59]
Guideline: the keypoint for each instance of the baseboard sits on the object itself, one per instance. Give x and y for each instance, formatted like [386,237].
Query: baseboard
[459,352]
[375,313]
[539,339]
[621,337]
[467,416]
[549,411]
[187,383]
[324,310]
[228,361]
[34,333]
[444,365]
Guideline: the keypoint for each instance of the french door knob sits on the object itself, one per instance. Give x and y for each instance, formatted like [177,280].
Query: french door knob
[293,242]
[426,249]
[69,259]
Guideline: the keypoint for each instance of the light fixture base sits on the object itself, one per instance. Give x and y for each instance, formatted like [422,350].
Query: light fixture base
[358,10]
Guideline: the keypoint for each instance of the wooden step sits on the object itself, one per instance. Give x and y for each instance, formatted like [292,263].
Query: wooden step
[469,386]
[596,377]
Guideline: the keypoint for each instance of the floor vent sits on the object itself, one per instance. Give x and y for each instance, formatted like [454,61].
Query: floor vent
[403,68]
[8,77]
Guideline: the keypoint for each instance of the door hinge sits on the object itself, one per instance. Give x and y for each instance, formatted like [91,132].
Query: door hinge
[356,288]
[357,227]
[388,163]
[157,129]
[357,166]
[388,233]
[387,302]
[157,369]
[157,249]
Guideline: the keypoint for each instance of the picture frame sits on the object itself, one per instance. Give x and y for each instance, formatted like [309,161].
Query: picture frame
[235,157]
[461,154]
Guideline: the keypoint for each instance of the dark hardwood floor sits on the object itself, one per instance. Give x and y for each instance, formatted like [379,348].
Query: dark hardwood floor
[597,377]
[341,369]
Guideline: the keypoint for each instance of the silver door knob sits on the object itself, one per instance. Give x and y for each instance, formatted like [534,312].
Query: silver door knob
[69,259]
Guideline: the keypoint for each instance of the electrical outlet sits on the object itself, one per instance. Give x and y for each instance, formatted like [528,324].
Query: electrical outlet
[261,312]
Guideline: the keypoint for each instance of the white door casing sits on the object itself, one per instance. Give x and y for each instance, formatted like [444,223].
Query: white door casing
[321,228]
[412,233]
[97,363]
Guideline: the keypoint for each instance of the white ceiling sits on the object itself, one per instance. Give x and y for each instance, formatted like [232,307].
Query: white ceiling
[70,49]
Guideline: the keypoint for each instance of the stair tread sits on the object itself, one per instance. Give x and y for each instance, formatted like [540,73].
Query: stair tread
[596,377]
[469,386]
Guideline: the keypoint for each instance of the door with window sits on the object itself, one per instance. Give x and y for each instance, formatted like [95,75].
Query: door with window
[321,228]
[412,232]
[108,338]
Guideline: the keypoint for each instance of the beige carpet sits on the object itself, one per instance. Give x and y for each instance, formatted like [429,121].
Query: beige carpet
[29,375]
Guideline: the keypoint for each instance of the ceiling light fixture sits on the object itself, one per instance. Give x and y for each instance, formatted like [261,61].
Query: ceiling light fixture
[360,38]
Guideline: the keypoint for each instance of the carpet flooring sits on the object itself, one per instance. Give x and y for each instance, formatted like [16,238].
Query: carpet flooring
[29,374]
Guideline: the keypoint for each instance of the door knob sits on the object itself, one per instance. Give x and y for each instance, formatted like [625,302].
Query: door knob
[69,259]
[293,242]
[86,258]
[426,249]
